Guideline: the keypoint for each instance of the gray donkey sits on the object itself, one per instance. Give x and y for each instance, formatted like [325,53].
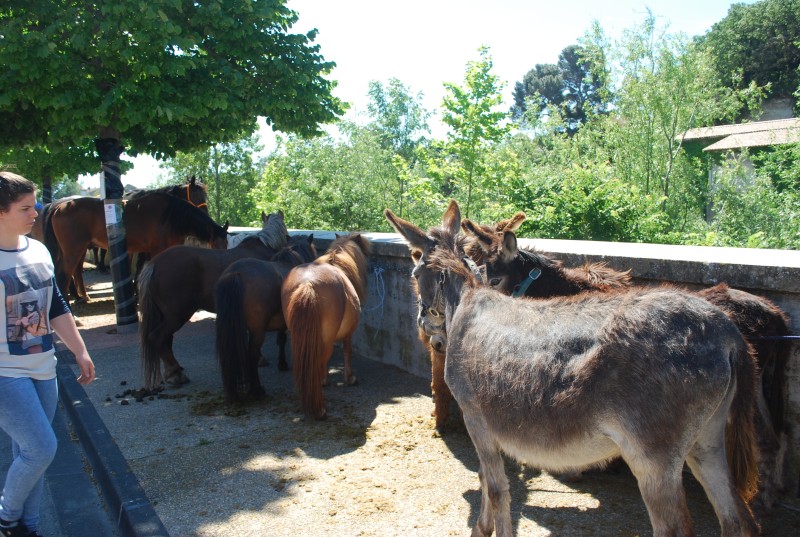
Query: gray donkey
[649,375]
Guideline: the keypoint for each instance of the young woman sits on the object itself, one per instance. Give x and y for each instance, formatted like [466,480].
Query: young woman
[34,309]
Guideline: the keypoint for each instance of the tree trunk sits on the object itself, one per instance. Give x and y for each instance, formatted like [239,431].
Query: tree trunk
[109,151]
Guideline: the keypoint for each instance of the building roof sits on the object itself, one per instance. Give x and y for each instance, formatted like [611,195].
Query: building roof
[740,135]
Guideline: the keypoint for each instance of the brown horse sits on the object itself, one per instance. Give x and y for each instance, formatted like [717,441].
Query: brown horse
[153,222]
[192,192]
[180,281]
[508,270]
[248,301]
[649,375]
[322,304]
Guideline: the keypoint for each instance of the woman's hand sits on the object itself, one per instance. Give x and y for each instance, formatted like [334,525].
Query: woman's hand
[86,366]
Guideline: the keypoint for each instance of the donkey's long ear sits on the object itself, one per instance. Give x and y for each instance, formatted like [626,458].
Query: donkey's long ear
[511,224]
[509,246]
[192,180]
[417,239]
[483,239]
[264,217]
[451,219]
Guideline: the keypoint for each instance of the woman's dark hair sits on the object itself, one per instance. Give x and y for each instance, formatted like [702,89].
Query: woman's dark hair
[12,188]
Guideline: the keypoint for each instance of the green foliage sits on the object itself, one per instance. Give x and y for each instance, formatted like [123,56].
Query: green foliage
[761,43]
[750,211]
[592,204]
[163,75]
[573,86]
[228,170]
[67,186]
[399,117]
[475,127]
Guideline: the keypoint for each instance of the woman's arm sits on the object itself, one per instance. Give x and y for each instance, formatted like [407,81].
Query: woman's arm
[64,325]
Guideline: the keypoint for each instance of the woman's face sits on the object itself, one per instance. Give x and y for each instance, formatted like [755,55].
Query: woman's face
[20,216]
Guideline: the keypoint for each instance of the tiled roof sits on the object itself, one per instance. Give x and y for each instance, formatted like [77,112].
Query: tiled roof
[754,134]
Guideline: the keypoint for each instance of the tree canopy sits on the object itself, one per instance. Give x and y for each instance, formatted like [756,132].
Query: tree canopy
[573,86]
[759,43]
[163,75]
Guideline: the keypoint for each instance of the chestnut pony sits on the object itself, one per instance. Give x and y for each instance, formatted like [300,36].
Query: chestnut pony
[322,305]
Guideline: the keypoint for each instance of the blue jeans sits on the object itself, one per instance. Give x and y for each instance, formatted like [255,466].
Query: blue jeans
[27,407]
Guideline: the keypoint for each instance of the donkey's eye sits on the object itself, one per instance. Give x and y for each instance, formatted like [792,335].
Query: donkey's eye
[494,282]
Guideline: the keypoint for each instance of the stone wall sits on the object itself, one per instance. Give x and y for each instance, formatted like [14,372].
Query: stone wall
[388,330]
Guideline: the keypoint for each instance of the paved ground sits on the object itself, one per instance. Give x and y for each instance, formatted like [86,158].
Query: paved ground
[376,467]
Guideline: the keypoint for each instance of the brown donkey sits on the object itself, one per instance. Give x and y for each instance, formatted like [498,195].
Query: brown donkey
[649,375]
[508,269]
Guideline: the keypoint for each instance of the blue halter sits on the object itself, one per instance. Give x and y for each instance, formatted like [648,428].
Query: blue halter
[532,276]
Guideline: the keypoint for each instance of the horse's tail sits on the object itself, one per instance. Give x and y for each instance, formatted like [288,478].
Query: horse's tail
[304,320]
[232,336]
[742,446]
[151,317]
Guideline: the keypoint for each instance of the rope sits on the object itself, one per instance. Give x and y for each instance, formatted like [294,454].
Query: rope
[775,338]
[378,274]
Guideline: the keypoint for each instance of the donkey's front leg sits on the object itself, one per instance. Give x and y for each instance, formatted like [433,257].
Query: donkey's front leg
[495,497]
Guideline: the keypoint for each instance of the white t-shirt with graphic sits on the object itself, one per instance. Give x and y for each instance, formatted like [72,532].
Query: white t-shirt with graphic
[26,285]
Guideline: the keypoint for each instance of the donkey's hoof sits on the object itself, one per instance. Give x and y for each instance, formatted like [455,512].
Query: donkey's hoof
[353,381]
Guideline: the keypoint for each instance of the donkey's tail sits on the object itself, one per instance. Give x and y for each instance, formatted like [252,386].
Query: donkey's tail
[303,313]
[741,434]
[232,336]
[151,317]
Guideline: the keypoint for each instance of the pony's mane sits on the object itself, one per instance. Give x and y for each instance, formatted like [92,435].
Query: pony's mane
[298,248]
[273,233]
[182,217]
[350,253]
[172,190]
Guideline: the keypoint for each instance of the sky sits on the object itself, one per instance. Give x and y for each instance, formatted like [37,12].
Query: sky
[425,43]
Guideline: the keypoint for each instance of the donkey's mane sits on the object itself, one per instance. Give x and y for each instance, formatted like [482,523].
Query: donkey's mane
[589,276]
[349,254]
[449,254]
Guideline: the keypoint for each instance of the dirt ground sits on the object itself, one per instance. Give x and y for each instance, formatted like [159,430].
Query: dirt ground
[375,467]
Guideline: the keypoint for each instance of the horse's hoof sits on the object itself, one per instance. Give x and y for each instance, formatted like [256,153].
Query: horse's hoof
[353,381]
[177,379]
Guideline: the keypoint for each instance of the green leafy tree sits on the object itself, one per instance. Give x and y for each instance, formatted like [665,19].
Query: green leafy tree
[758,43]
[574,86]
[160,76]
[401,122]
[476,125]
[399,116]
[228,170]
[44,164]
[666,86]
[340,183]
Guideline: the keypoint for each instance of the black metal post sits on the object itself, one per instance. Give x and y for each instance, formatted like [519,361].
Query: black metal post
[109,150]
